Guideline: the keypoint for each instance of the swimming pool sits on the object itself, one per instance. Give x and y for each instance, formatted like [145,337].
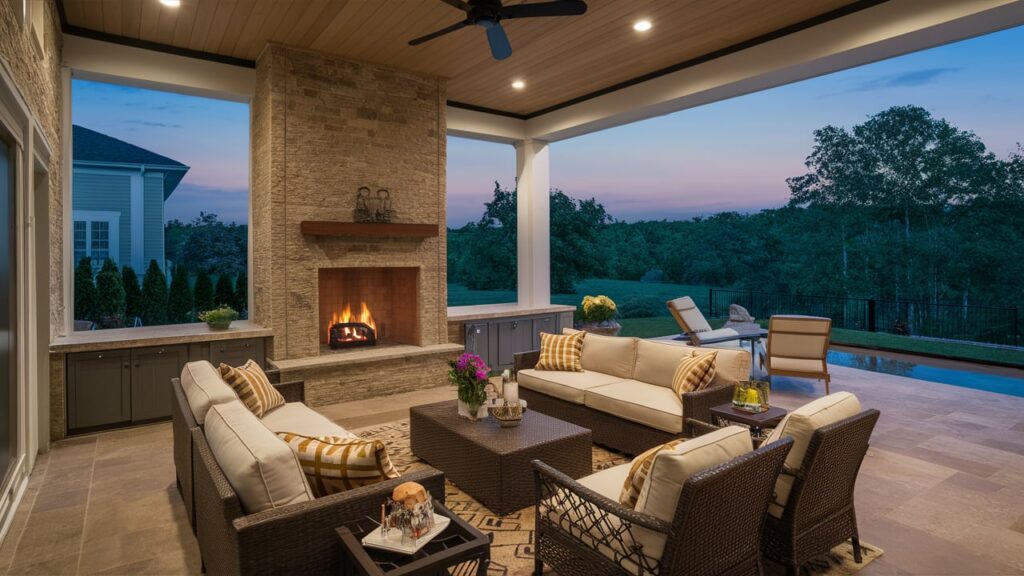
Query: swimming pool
[900,367]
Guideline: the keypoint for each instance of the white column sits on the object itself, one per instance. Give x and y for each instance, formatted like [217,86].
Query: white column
[533,171]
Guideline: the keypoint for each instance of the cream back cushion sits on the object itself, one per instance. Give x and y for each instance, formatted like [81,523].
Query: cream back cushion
[609,355]
[261,468]
[691,315]
[671,468]
[204,388]
[656,362]
[800,425]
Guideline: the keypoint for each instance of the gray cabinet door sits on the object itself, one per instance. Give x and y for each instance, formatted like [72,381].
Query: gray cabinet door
[237,352]
[513,336]
[477,341]
[99,389]
[547,324]
[152,370]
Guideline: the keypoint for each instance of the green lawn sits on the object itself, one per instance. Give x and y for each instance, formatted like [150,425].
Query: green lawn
[622,291]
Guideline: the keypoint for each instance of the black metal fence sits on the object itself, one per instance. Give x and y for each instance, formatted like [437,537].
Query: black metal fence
[987,324]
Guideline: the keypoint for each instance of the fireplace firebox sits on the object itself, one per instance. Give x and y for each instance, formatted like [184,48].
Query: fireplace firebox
[368,306]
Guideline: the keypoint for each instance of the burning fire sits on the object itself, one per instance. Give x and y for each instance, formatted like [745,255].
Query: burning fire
[349,334]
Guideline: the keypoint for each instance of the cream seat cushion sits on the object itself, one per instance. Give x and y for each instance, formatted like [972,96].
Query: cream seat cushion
[656,362]
[204,388]
[608,482]
[297,418]
[671,468]
[262,469]
[691,315]
[568,386]
[647,404]
[609,355]
[797,365]
[800,425]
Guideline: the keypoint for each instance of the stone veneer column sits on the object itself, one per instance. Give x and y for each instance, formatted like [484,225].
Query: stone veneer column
[322,127]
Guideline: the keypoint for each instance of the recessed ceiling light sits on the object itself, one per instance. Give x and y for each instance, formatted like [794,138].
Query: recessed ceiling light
[642,25]
[518,84]
[171,3]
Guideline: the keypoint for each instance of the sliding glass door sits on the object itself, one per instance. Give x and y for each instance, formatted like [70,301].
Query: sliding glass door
[8,293]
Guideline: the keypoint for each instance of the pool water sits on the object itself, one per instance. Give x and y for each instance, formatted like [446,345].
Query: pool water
[977,380]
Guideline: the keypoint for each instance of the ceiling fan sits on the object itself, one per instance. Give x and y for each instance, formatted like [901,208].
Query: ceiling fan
[488,14]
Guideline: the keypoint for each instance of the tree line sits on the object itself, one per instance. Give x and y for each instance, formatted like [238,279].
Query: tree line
[903,206]
[113,298]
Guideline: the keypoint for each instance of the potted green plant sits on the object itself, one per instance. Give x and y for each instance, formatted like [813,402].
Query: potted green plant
[468,373]
[219,318]
[597,315]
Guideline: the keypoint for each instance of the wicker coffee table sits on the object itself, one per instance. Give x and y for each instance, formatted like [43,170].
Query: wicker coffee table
[490,463]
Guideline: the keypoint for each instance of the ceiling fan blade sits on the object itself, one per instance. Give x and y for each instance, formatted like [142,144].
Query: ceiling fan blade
[556,8]
[496,37]
[458,4]
[441,32]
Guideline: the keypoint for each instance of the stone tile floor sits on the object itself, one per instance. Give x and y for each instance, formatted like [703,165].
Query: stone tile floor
[941,490]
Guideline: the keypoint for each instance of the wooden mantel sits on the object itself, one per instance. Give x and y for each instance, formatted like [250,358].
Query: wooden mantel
[363,230]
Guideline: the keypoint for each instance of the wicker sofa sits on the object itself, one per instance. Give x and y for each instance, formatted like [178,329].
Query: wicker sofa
[624,392]
[292,538]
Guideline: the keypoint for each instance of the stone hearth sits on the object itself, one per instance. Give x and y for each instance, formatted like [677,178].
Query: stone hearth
[322,128]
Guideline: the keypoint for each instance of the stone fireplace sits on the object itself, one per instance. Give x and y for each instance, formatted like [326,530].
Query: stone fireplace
[367,307]
[322,128]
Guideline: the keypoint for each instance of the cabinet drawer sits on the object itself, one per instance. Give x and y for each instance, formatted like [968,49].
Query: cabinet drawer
[237,352]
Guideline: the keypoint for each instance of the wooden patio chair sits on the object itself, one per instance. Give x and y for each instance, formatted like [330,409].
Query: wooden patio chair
[798,346]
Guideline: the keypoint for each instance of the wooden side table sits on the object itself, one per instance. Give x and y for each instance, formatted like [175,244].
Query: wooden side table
[757,422]
[460,549]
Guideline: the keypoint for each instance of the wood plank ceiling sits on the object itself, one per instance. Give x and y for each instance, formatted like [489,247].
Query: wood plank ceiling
[559,59]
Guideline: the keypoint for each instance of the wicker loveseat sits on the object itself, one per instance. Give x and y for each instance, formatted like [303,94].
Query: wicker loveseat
[624,392]
[293,538]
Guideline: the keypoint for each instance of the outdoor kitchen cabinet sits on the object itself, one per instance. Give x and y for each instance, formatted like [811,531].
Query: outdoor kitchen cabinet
[111,388]
[498,340]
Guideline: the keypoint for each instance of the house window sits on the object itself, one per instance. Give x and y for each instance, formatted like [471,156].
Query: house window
[95,236]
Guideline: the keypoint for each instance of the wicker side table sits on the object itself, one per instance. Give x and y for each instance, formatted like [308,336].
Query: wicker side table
[460,549]
[491,463]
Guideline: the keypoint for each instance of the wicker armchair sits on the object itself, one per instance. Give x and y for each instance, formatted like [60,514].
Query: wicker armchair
[820,512]
[716,528]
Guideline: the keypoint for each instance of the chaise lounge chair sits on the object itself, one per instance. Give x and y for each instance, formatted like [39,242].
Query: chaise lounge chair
[696,329]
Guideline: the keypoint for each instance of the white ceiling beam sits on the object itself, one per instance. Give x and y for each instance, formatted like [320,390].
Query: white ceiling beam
[891,29]
[484,126]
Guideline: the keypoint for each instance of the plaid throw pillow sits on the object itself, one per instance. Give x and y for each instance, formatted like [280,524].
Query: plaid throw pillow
[335,464]
[639,471]
[694,373]
[253,387]
[561,352]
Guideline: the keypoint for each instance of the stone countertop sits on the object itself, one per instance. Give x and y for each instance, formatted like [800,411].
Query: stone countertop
[487,311]
[119,338]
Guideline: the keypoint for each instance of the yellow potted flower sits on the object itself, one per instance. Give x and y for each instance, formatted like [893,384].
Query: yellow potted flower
[596,314]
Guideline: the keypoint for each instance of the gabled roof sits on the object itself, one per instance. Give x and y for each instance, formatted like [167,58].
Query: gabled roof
[92,146]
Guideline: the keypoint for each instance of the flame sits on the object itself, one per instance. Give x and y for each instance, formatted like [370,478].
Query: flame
[364,317]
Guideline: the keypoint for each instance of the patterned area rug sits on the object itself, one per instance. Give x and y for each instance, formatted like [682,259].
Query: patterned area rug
[512,548]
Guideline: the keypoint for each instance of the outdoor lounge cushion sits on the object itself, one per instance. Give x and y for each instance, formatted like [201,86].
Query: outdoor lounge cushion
[613,355]
[647,404]
[671,468]
[252,386]
[694,373]
[798,365]
[204,388]
[568,386]
[686,309]
[731,364]
[338,463]
[656,362]
[800,424]
[607,482]
[297,418]
[262,469]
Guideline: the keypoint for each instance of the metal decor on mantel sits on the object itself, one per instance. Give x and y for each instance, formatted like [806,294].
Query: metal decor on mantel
[375,208]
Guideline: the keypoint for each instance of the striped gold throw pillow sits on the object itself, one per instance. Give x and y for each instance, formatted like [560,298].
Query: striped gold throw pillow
[253,387]
[639,471]
[561,352]
[335,463]
[694,373]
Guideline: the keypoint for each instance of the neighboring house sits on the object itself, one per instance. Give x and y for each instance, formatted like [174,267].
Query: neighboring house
[117,199]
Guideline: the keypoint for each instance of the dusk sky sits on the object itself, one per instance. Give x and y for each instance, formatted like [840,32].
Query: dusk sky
[737,154]
[211,136]
[731,155]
